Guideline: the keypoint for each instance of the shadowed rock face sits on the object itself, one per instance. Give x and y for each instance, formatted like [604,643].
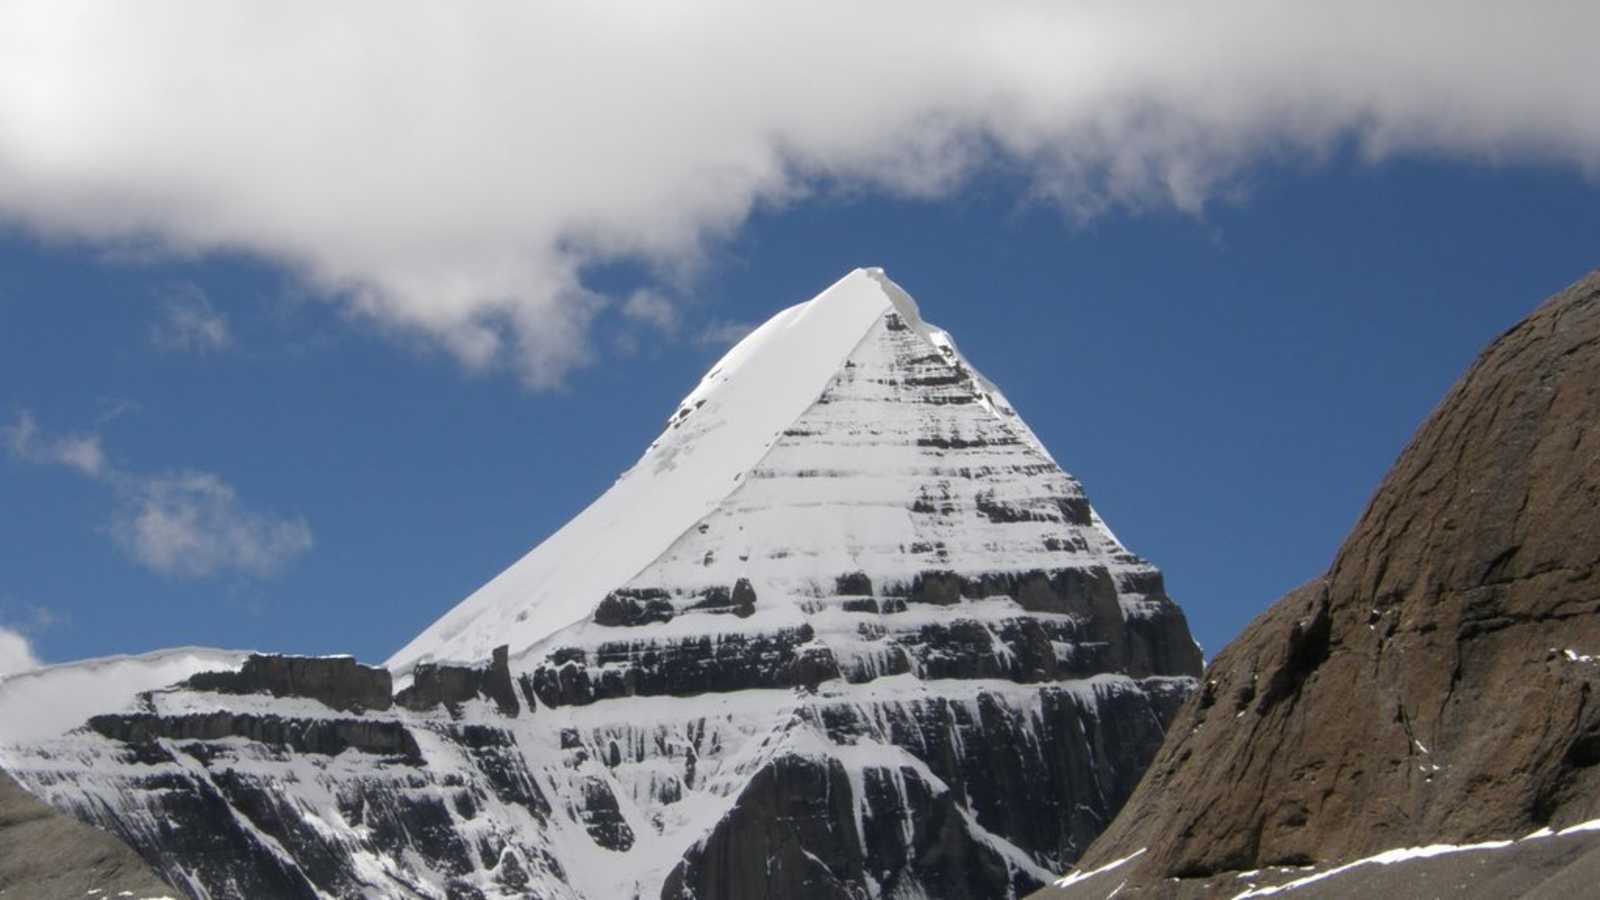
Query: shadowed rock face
[1439,683]
[325,737]
[450,686]
[335,681]
[794,834]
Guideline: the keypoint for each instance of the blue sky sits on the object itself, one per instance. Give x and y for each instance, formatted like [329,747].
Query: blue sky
[1229,387]
[313,317]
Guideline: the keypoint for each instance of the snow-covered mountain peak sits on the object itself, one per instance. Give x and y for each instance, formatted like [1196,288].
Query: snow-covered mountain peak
[844,629]
[820,330]
[719,431]
[853,386]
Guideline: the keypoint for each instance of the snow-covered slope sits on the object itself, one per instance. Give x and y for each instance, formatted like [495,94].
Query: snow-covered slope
[718,432]
[52,700]
[741,422]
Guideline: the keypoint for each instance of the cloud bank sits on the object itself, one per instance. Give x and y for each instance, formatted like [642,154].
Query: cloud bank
[451,169]
[185,524]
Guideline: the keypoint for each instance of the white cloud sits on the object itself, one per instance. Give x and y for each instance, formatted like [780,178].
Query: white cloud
[80,452]
[189,322]
[449,169]
[192,525]
[651,308]
[16,653]
[188,524]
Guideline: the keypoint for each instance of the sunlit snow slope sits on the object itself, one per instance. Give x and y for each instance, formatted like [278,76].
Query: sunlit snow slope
[732,426]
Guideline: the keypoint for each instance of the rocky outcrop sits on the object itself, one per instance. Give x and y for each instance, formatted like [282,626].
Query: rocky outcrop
[434,685]
[324,737]
[781,659]
[45,855]
[338,682]
[1441,683]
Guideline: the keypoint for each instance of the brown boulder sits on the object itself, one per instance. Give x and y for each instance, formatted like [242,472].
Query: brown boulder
[1436,685]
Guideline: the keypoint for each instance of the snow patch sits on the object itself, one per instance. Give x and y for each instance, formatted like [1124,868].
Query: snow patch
[1390,857]
[1074,877]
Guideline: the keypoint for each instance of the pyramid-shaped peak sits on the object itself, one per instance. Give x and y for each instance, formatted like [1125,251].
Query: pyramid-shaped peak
[851,385]
[715,434]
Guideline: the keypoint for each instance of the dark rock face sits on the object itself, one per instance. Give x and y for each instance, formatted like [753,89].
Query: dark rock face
[228,803]
[434,685]
[626,608]
[1438,685]
[325,737]
[46,855]
[223,804]
[797,833]
[1088,619]
[336,681]
[682,667]
[911,812]
[1155,643]
[631,607]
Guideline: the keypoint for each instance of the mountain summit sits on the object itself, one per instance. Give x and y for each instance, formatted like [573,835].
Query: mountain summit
[844,435]
[845,630]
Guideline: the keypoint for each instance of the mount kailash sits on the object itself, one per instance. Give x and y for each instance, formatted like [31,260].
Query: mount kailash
[846,630]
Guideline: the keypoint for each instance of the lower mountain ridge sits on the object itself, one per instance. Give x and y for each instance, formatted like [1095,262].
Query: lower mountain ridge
[1424,719]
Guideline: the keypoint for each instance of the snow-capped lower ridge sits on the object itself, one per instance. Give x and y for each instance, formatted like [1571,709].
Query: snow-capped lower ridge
[52,700]
[845,630]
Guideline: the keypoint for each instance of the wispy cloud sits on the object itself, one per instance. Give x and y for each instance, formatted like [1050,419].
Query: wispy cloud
[185,524]
[16,652]
[447,175]
[192,525]
[652,308]
[82,453]
[188,322]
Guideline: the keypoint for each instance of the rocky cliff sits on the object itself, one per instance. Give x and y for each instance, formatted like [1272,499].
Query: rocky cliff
[845,630]
[1438,685]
